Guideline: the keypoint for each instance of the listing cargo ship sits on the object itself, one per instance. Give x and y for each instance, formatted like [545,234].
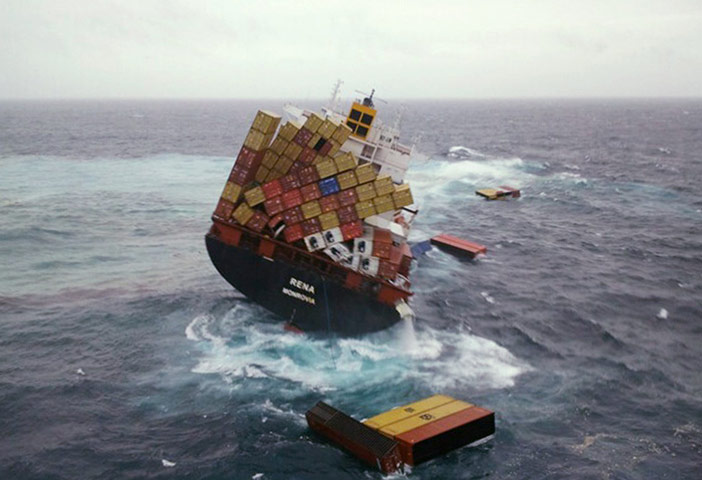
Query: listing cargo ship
[314,217]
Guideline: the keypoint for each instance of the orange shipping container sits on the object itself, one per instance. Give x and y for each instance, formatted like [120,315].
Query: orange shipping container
[441,436]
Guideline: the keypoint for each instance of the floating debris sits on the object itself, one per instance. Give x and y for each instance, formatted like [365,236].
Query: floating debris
[501,193]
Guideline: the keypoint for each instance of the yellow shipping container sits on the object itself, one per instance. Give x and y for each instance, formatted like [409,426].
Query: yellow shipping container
[347,180]
[341,134]
[383,204]
[335,146]
[262,174]
[422,419]
[329,220]
[311,209]
[345,161]
[326,130]
[313,122]
[313,141]
[283,164]
[266,122]
[401,413]
[231,192]
[279,145]
[402,196]
[326,168]
[319,159]
[365,173]
[365,192]
[269,158]
[273,174]
[383,185]
[365,209]
[289,130]
[255,140]
[255,196]
[292,150]
[243,213]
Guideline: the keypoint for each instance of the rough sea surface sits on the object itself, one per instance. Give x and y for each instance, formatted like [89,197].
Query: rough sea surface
[123,354]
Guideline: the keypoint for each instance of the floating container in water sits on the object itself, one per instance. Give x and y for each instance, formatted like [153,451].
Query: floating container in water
[423,430]
[365,443]
[443,435]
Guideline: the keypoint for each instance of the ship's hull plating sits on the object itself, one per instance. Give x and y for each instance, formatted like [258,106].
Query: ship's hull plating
[300,296]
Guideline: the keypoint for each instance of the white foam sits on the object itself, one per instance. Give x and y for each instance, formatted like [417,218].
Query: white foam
[240,349]
[167,463]
[487,297]
[662,314]
[459,151]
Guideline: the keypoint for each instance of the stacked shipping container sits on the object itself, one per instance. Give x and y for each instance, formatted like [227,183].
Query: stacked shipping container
[300,186]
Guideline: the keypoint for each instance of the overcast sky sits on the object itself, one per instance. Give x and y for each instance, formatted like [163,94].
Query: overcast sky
[297,49]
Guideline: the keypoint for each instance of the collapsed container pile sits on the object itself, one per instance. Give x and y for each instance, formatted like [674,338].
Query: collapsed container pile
[301,187]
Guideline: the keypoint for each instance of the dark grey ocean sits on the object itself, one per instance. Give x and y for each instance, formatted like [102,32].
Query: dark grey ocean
[123,354]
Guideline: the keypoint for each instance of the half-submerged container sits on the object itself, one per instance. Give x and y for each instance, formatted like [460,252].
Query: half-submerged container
[363,442]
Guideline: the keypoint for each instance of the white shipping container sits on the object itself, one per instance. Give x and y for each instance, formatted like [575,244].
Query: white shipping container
[363,246]
[332,236]
[315,242]
[339,253]
[369,265]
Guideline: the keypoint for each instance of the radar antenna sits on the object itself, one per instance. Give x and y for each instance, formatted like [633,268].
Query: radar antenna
[368,100]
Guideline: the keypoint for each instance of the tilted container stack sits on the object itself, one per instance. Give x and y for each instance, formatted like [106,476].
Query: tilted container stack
[301,187]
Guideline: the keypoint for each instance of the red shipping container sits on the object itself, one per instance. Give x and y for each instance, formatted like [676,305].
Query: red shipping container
[348,197]
[274,205]
[406,261]
[302,137]
[381,249]
[242,175]
[272,188]
[224,209]
[248,157]
[258,221]
[387,269]
[382,236]
[293,198]
[325,148]
[347,214]
[293,216]
[297,167]
[352,230]
[289,182]
[275,221]
[293,233]
[446,434]
[329,203]
[307,155]
[308,174]
[311,226]
[310,192]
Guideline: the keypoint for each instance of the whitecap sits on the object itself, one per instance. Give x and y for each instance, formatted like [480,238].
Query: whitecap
[487,297]
[662,314]
[167,463]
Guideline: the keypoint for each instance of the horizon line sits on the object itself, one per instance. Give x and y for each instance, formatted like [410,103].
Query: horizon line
[306,99]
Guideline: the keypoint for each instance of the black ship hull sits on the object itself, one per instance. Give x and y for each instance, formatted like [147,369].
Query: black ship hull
[303,297]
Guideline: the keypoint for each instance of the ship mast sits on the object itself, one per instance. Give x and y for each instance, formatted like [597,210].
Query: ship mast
[335,99]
